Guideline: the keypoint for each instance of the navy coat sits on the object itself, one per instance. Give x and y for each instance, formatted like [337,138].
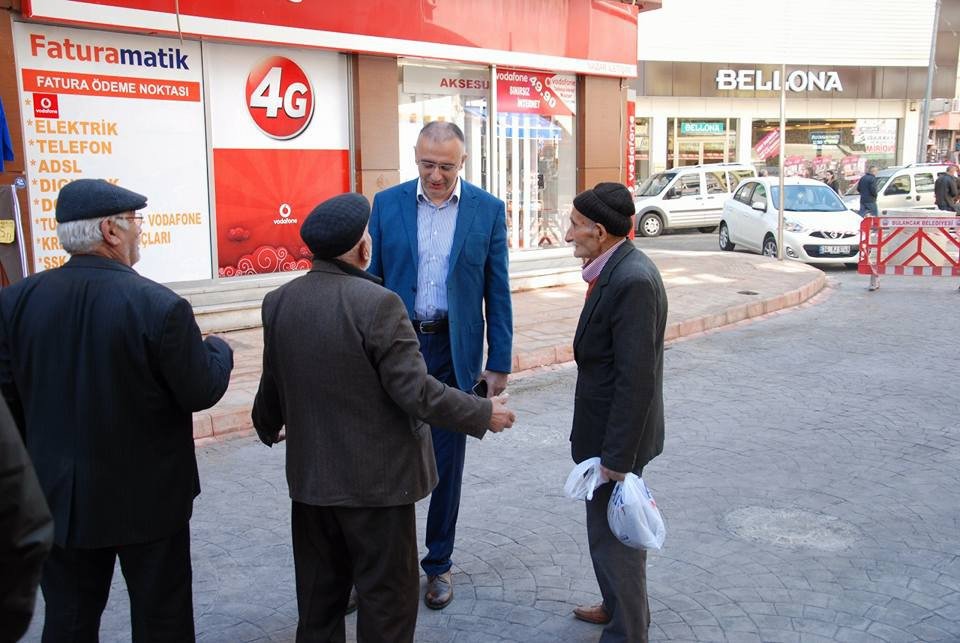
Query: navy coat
[103,368]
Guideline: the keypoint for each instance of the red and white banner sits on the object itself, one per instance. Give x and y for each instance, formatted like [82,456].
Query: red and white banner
[534,92]
[280,137]
[591,37]
[768,146]
[128,109]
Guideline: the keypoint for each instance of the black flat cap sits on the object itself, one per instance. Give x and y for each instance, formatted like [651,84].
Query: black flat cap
[95,198]
[609,204]
[336,225]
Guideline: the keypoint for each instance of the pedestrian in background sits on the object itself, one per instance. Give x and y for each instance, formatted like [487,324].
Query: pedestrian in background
[867,188]
[103,369]
[441,244]
[26,531]
[831,180]
[618,408]
[352,393]
[946,190]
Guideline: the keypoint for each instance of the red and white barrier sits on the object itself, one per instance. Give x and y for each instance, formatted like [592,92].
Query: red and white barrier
[906,242]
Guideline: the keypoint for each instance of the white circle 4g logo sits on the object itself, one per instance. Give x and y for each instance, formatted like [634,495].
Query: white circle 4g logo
[279,98]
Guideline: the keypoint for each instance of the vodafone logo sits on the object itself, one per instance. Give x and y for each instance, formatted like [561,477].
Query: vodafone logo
[279,97]
[46,106]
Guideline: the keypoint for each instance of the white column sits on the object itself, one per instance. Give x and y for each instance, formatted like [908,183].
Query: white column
[745,140]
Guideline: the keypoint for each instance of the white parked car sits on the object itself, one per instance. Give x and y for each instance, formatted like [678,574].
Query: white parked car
[900,188]
[818,227]
[687,197]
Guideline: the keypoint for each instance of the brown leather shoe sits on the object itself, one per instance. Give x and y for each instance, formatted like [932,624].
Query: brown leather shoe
[439,591]
[596,614]
[352,602]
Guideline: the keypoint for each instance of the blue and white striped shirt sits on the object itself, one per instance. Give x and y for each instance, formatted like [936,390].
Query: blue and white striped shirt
[435,226]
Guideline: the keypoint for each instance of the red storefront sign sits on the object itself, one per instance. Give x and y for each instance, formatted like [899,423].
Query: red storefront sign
[597,37]
[533,92]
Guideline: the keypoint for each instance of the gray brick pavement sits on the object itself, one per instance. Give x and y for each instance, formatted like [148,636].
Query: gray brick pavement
[809,484]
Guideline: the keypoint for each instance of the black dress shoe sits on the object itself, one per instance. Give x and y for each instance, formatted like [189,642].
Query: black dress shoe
[439,591]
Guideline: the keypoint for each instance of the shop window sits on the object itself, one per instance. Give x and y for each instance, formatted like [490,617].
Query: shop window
[847,147]
[695,141]
[900,185]
[536,149]
[430,91]
[716,182]
[924,182]
[641,154]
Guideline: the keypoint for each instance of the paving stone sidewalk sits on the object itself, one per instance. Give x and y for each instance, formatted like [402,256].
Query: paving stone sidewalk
[705,290]
[808,480]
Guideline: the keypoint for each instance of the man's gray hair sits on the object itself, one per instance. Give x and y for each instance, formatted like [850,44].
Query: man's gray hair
[440,131]
[82,237]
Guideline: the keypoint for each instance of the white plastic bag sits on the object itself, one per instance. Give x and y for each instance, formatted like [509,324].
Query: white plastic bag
[633,515]
[584,478]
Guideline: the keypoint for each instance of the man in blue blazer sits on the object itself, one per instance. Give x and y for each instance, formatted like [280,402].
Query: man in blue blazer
[103,369]
[441,244]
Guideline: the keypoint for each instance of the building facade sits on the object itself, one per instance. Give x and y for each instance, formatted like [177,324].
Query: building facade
[854,81]
[237,118]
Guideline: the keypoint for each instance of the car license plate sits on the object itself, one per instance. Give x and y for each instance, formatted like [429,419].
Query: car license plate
[834,250]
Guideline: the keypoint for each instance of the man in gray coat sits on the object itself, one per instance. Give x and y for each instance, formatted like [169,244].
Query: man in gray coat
[342,371]
[618,413]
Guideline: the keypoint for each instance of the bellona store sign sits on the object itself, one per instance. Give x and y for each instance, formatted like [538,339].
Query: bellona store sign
[796,81]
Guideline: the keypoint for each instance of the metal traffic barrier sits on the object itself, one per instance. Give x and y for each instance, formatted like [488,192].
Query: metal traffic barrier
[909,242]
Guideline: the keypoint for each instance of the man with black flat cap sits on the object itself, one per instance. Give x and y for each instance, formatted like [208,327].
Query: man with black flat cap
[102,370]
[618,412]
[342,371]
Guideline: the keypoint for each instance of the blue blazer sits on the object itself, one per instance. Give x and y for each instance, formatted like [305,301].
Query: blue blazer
[477,277]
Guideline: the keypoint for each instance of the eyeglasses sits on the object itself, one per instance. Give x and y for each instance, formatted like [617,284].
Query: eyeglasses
[429,166]
[136,218]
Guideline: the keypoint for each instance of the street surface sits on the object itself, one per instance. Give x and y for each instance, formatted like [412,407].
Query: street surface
[809,484]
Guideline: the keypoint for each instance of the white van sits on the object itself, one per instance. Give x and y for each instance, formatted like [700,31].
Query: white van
[899,188]
[687,197]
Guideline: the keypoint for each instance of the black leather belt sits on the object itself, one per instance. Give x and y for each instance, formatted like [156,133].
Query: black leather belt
[430,326]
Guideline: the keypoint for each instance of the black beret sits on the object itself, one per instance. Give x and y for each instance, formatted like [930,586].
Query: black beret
[95,198]
[336,225]
[609,204]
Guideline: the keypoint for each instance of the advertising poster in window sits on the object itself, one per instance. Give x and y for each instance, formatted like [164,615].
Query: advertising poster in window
[128,109]
[533,92]
[280,138]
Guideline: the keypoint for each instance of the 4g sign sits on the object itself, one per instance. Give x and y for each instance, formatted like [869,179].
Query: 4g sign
[279,97]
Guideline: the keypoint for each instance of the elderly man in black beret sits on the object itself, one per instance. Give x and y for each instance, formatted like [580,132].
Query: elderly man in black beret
[618,413]
[102,369]
[342,371]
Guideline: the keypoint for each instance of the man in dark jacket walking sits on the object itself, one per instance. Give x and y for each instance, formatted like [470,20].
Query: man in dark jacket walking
[867,188]
[103,369]
[946,190]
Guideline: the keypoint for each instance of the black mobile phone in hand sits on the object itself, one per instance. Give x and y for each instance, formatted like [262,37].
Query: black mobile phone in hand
[480,388]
